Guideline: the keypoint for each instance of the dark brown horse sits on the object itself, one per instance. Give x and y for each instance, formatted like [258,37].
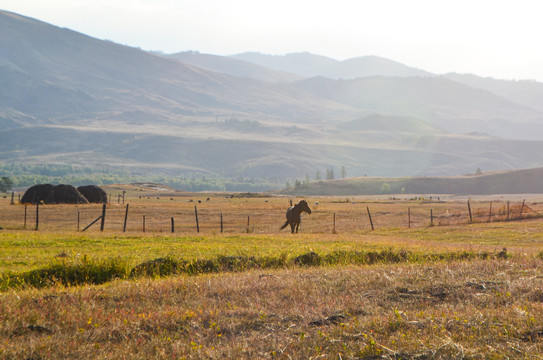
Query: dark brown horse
[293,215]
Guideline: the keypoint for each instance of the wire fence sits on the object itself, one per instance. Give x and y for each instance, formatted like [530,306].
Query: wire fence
[257,215]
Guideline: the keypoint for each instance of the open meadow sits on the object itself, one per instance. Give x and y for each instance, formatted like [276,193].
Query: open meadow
[428,281]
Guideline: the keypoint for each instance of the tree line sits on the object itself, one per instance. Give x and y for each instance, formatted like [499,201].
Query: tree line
[300,184]
[22,175]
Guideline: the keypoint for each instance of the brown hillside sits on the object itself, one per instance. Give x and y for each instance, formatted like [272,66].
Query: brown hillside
[529,181]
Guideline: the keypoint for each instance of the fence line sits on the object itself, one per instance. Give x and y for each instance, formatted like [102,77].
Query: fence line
[265,218]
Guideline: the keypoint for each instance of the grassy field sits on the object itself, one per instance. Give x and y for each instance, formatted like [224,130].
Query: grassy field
[453,290]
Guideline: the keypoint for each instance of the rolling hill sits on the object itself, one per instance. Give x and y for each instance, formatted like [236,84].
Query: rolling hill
[67,98]
[52,75]
[524,92]
[501,182]
[234,67]
[453,106]
[310,65]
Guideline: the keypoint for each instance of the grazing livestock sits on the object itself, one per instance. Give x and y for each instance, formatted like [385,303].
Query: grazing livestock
[294,215]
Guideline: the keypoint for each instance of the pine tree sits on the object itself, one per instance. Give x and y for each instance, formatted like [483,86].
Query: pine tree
[318,176]
[307,180]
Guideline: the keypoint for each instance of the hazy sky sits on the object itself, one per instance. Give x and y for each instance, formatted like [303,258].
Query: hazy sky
[500,39]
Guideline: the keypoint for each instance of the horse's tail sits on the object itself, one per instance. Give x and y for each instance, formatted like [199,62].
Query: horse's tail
[284,226]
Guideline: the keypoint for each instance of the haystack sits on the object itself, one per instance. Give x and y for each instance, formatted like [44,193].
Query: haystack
[93,193]
[65,194]
[37,193]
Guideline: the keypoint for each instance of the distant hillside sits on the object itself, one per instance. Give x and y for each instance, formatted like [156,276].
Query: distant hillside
[390,125]
[52,75]
[69,99]
[234,67]
[310,65]
[506,182]
[302,64]
[523,92]
[451,105]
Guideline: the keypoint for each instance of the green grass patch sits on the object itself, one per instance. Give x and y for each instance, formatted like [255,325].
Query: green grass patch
[38,259]
[26,250]
[85,271]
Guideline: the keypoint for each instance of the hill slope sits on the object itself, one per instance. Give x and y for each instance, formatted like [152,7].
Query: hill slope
[310,65]
[526,93]
[506,182]
[49,72]
[70,99]
[451,105]
[234,67]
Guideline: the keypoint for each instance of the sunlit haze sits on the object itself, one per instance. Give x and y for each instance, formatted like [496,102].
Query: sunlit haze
[498,39]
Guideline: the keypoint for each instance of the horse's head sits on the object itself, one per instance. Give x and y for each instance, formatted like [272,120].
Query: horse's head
[303,205]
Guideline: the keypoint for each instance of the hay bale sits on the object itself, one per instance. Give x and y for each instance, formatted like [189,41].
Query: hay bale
[36,194]
[94,194]
[65,194]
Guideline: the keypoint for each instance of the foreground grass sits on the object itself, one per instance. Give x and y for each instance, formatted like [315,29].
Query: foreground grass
[45,259]
[489,308]
[27,250]
[442,292]
[70,273]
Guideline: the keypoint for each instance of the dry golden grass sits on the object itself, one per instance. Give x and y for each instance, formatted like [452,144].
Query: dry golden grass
[459,310]
[264,214]
[474,309]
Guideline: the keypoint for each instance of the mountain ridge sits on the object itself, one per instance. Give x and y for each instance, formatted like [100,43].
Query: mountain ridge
[95,75]
[310,65]
[68,98]
[234,67]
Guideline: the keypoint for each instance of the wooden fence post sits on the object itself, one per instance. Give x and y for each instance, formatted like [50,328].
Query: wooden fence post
[221,224]
[102,223]
[521,208]
[37,215]
[25,217]
[334,230]
[12,201]
[470,217]
[431,217]
[248,222]
[173,226]
[196,215]
[369,215]
[490,212]
[409,217]
[125,218]
[143,223]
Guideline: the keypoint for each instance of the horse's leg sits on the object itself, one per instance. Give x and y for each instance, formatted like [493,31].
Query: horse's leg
[297,226]
[292,225]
